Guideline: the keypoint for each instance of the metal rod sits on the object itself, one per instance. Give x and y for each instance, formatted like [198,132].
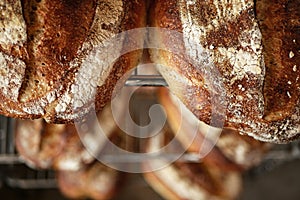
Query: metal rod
[3,134]
[9,159]
[31,183]
[146,80]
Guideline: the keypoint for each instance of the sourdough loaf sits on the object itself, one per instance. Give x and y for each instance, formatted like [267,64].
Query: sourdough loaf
[50,55]
[71,154]
[39,144]
[228,148]
[95,181]
[186,180]
[59,146]
[240,62]
[51,146]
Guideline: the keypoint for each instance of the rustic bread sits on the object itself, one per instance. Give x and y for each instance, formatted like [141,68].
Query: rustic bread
[183,180]
[95,181]
[58,146]
[239,60]
[48,56]
[228,147]
[53,146]
[38,143]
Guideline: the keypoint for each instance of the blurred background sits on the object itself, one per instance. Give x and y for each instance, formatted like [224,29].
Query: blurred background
[272,180]
[276,178]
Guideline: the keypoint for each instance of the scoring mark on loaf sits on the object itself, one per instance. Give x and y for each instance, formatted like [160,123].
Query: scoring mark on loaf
[51,36]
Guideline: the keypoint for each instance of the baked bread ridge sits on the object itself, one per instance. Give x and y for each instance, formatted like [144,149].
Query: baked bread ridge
[229,33]
[59,39]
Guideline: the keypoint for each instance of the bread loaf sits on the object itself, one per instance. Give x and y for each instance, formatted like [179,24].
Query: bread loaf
[241,62]
[59,146]
[50,55]
[95,181]
[227,146]
[51,146]
[183,180]
[39,144]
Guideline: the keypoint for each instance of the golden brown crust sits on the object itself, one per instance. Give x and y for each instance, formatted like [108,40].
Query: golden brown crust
[233,67]
[56,30]
[45,146]
[59,37]
[121,67]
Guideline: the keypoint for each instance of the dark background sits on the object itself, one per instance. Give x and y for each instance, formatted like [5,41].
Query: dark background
[271,180]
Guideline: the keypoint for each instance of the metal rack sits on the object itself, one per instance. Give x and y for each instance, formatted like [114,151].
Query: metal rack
[32,179]
[139,79]
[17,175]
[7,149]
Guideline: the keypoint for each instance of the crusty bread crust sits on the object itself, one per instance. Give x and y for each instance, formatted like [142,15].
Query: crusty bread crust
[236,44]
[43,46]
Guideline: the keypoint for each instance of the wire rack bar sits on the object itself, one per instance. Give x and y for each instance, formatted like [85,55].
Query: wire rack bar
[146,80]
